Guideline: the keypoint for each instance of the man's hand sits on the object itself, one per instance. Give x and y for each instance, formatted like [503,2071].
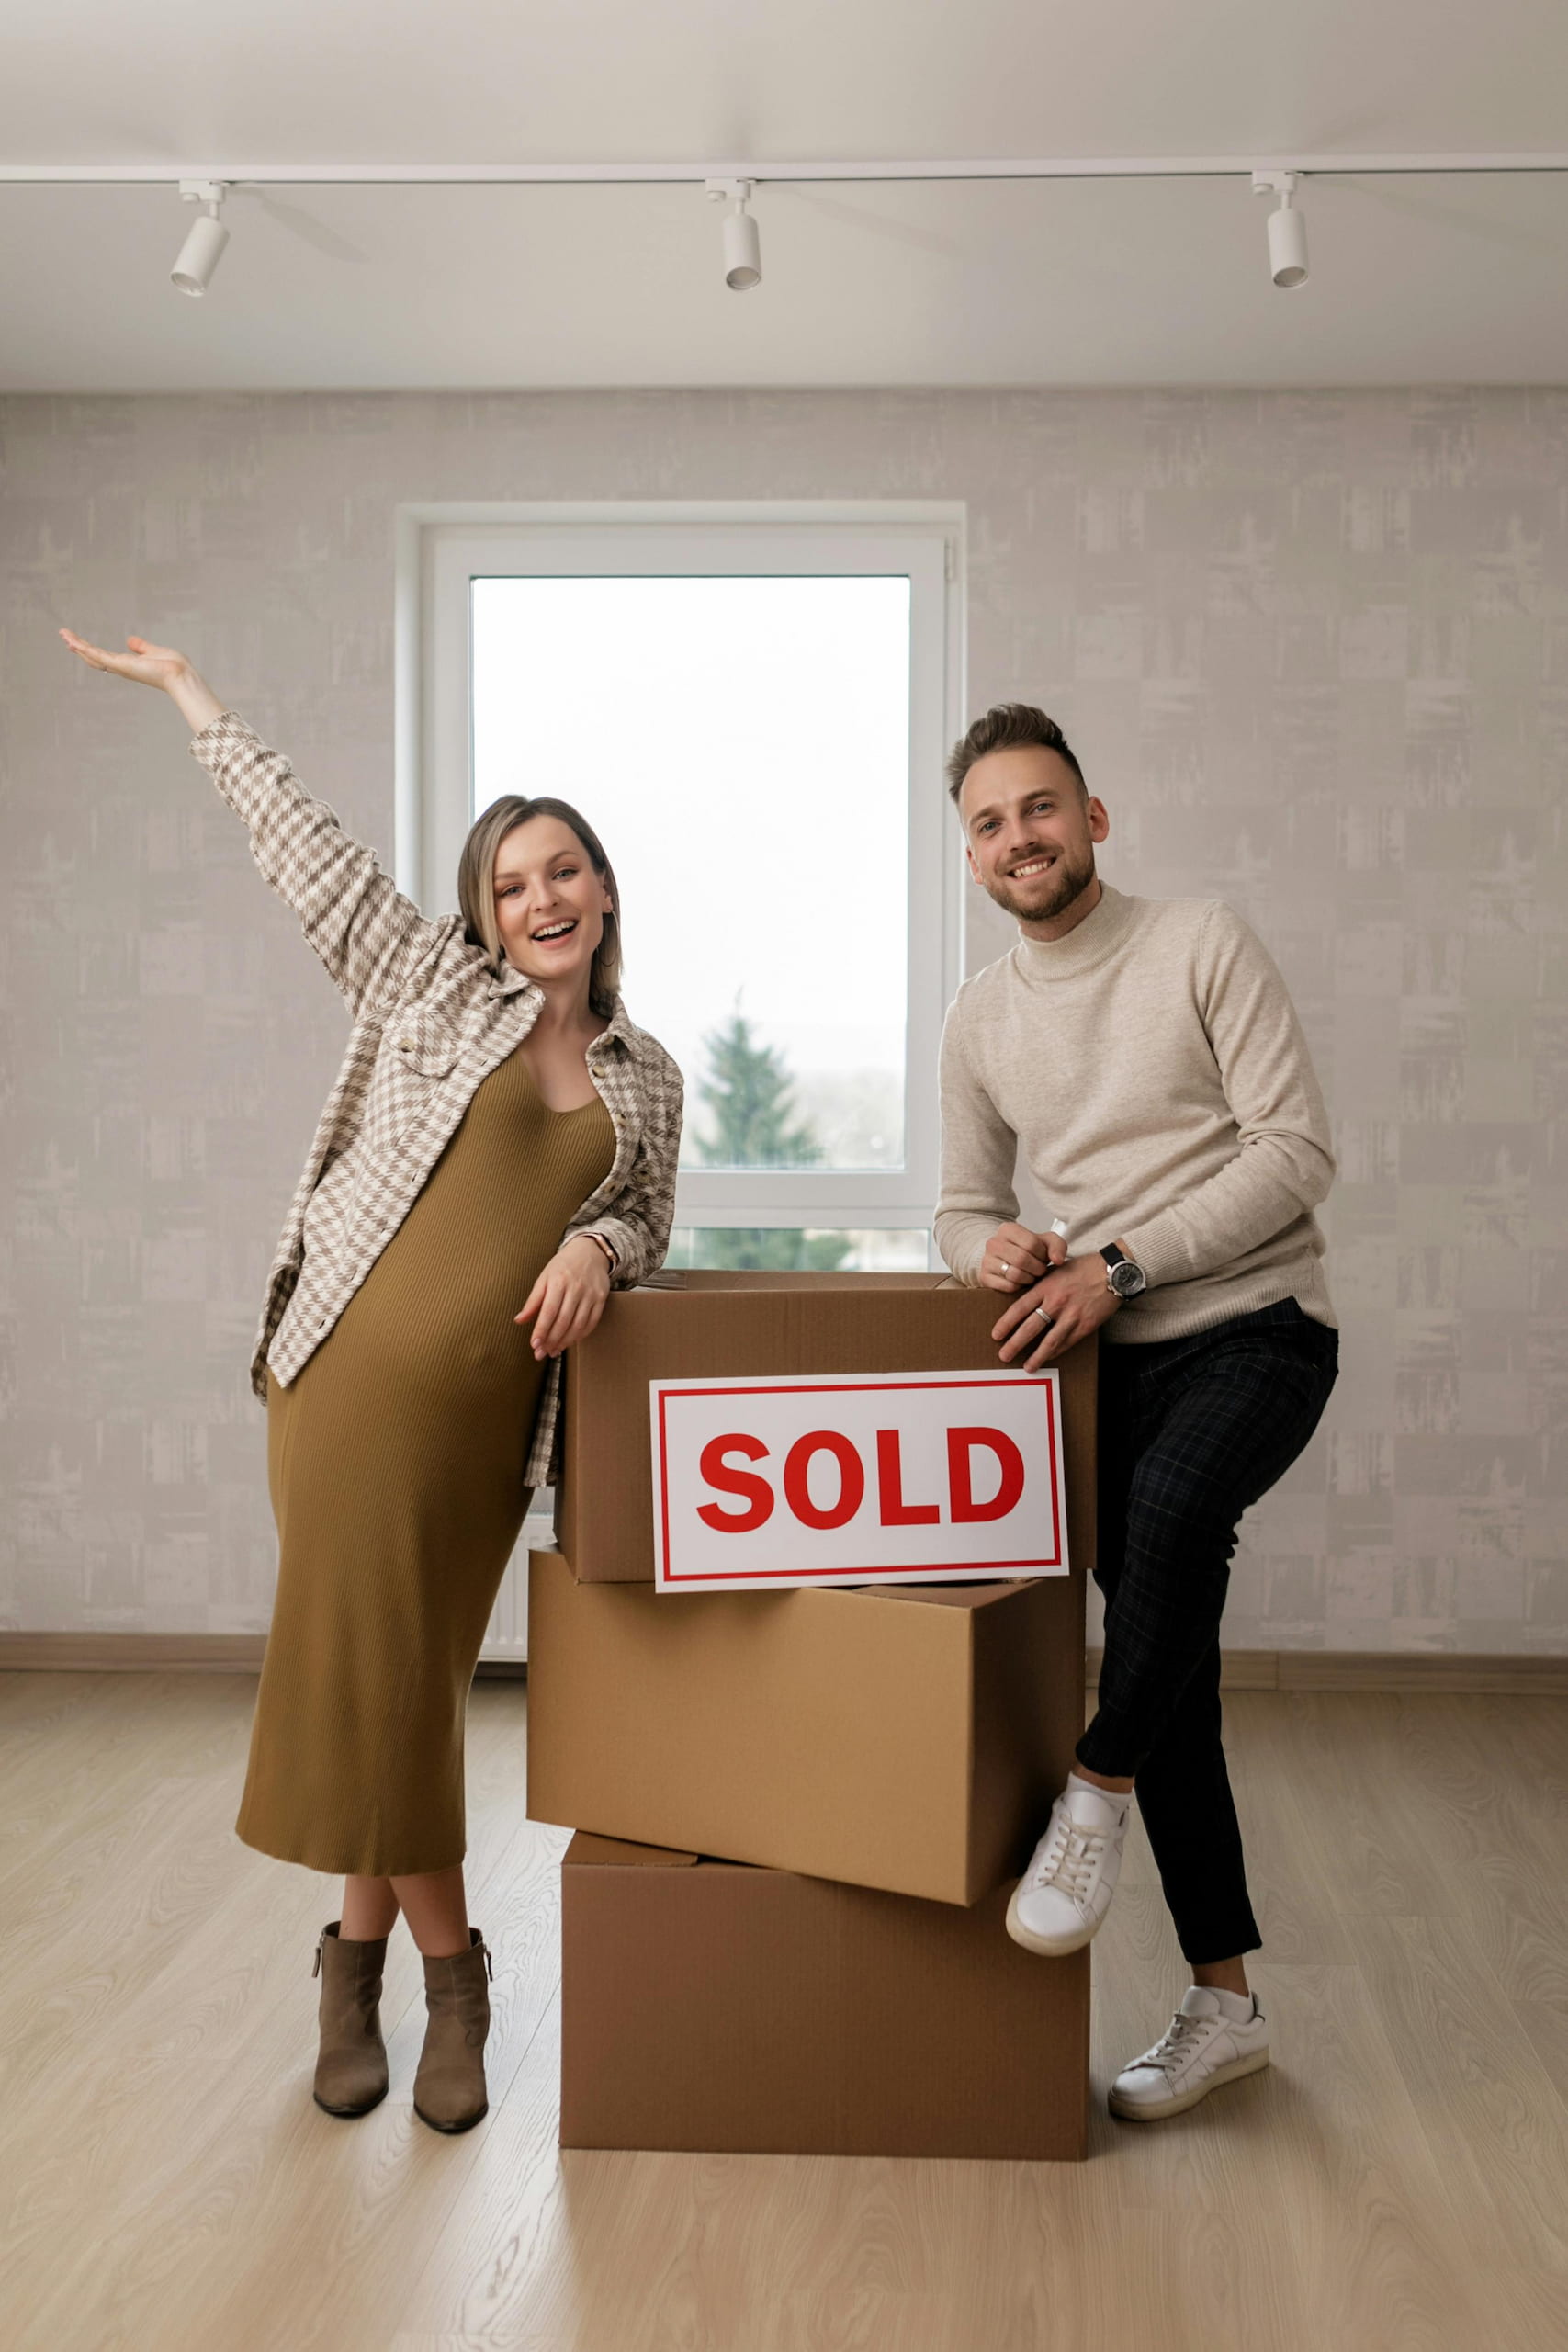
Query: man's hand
[1074,1300]
[1014,1257]
[568,1297]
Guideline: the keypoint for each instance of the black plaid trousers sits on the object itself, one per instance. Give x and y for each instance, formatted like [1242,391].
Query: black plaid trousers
[1191,1431]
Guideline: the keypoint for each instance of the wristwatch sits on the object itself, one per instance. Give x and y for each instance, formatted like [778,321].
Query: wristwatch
[1121,1275]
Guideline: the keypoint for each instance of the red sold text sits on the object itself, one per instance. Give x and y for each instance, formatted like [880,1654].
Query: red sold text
[975,1456]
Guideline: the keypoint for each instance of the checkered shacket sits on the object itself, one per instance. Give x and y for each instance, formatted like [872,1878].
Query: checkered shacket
[432,1018]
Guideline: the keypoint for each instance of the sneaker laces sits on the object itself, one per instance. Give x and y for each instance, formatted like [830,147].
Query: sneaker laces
[1176,2044]
[1072,1858]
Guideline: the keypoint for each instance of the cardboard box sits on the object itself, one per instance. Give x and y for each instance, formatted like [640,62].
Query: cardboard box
[905,1738]
[709,2007]
[719,1326]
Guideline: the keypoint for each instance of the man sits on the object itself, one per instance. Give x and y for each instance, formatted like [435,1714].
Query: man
[1145,1055]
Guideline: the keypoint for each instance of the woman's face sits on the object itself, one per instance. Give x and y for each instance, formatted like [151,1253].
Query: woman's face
[550,903]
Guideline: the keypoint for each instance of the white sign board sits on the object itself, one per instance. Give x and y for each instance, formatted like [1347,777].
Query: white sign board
[934,1477]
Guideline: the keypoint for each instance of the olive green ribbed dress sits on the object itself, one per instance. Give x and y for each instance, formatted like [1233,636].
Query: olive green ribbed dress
[395,1460]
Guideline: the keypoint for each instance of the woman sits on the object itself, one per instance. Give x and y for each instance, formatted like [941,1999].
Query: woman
[499,1131]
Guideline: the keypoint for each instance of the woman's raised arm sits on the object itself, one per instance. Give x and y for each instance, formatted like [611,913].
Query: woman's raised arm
[366,932]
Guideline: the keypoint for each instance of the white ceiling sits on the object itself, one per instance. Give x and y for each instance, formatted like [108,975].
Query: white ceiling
[1424,279]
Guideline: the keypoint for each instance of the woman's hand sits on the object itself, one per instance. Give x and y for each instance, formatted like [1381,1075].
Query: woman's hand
[154,666]
[568,1297]
[1015,1257]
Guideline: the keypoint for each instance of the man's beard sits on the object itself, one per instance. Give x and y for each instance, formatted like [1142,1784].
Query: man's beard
[1067,879]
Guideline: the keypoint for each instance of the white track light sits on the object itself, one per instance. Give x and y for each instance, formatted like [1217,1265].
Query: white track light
[1287,229]
[203,249]
[742,245]
[742,251]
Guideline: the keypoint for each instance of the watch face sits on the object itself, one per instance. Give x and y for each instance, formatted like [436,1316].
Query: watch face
[1126,1280]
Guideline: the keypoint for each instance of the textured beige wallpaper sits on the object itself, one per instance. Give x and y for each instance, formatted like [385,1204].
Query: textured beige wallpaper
[1313,650]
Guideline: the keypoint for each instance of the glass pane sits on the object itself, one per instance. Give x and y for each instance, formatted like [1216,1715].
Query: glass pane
[788,1249]
[741,747]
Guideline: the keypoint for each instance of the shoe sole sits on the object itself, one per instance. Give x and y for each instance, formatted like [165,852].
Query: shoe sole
[1047,1947]
[467,2124]
[1139,2111]
[347,2113]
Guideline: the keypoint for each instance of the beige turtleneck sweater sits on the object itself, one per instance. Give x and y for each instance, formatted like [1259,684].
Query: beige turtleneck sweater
[1152,1066]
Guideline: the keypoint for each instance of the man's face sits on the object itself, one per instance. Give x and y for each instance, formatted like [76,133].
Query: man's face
[1031,831]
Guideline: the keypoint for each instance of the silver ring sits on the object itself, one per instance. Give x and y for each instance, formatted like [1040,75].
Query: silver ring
[1046,1320]
[1007,1265]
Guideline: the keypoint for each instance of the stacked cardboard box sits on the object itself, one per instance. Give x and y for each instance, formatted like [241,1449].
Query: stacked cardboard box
[800,1812]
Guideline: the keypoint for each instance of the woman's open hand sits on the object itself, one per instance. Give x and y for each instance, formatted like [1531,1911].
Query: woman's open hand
[153,665]
[149,665]
[568,1297]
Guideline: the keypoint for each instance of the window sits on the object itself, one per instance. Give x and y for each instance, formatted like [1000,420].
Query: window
[751,709]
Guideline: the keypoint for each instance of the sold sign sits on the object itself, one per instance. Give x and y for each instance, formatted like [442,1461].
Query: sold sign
[935,1478]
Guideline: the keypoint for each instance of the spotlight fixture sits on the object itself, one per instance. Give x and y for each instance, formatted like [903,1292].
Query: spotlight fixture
[742,245]
[203,249]
[1287,229]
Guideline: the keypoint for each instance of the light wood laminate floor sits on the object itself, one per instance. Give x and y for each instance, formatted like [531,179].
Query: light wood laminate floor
[1398,2180]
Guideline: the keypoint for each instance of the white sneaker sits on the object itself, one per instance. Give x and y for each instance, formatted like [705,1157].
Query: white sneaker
[1065,1893]
[1200,2050]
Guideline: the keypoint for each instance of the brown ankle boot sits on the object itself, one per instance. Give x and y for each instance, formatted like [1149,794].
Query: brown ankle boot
[351,2072]
[449,2087]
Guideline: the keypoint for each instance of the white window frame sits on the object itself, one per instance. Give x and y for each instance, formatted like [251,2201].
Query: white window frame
[443,548]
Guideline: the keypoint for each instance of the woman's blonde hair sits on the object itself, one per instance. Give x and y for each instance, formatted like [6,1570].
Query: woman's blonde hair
[476,888]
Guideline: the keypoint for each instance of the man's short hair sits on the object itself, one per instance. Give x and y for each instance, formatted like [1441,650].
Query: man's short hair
[1004,727]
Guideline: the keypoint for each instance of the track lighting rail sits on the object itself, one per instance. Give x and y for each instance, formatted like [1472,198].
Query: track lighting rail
[734,185]
[1065,167]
